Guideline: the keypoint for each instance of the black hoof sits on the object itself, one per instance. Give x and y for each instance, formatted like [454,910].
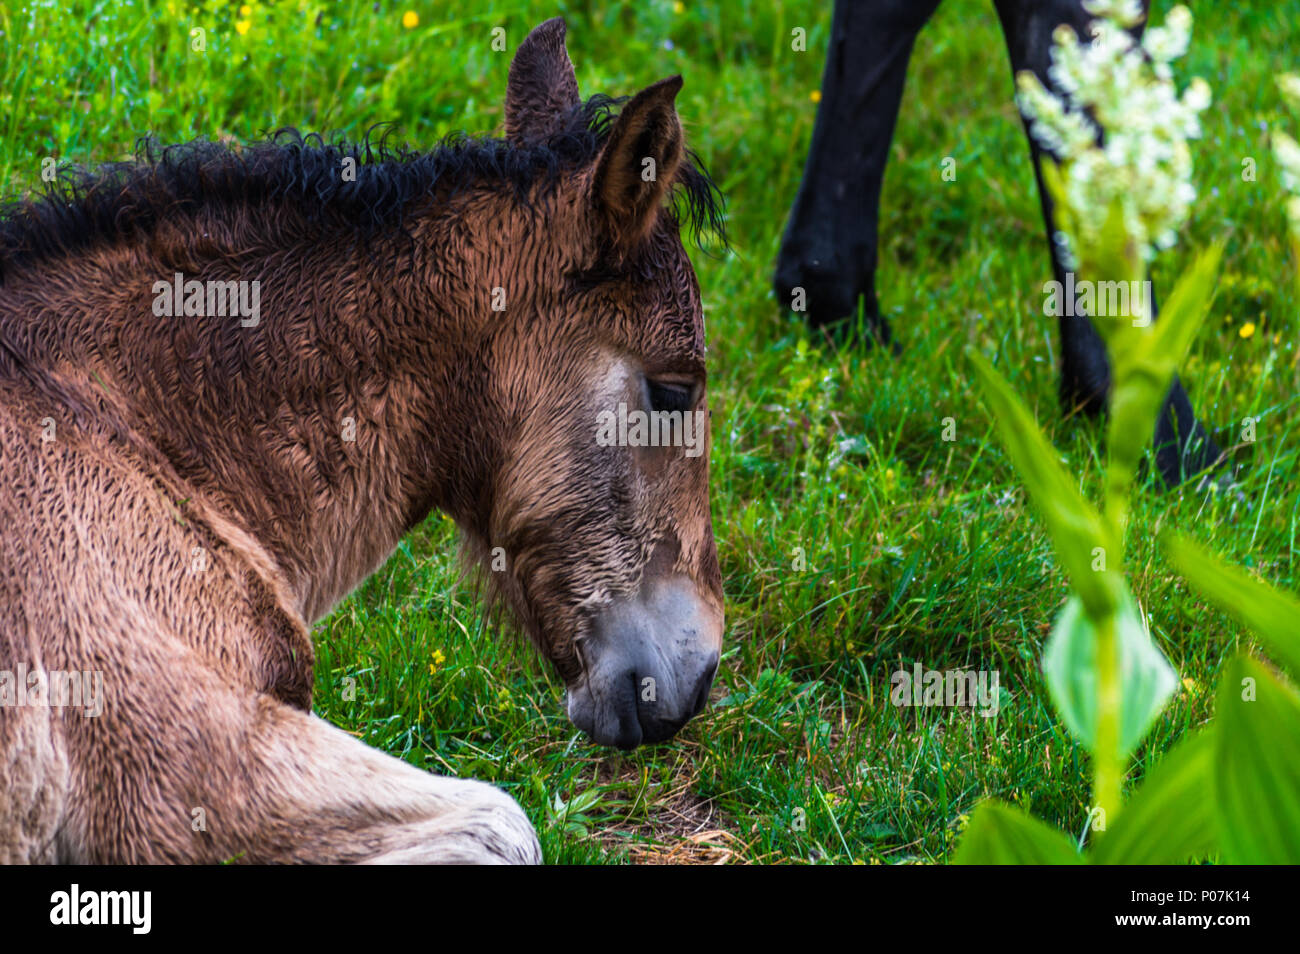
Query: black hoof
[868,331]
[822,292]
[828,297]
[1085,395]
[1199,458]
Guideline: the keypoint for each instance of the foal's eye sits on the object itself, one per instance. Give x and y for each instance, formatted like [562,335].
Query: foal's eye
[670,397]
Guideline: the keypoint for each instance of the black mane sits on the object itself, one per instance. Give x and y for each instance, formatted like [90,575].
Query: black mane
[84,206]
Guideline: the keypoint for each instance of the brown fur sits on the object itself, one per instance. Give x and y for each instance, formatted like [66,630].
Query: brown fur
[190,439]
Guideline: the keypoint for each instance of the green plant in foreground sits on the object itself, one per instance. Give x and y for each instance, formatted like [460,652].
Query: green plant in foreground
[1232,788]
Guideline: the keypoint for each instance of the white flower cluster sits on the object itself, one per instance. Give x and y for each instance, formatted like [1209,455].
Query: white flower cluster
[1126,88]
[1287,152]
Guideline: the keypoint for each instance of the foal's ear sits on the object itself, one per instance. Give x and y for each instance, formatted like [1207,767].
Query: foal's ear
[542,87]
[638,164]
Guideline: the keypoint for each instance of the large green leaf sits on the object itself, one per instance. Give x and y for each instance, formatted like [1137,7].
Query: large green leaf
[1076,528]
[1143,367]
[1143,358]
[1271,614]
[1070,665]
[1109,255]
[1185,309]
[1001,835]
[1170,819]
[1257,766]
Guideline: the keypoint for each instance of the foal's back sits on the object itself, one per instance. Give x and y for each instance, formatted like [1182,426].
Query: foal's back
[107,569]
[204,749]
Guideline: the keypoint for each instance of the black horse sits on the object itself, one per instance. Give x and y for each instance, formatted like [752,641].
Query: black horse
[829,247]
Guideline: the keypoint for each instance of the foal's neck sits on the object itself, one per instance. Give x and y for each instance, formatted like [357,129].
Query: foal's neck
[322,429]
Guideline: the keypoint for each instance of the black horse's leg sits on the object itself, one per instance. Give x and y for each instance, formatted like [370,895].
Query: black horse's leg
[1027,26]
[1182,447]
[829,247]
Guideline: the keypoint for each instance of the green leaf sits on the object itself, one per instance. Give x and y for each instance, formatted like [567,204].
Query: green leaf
[1185,309]
[1257,766]
[1113,257]
[1145,363]
[999,834]
[1170,819]
[1075,526]
[1271,614]
[1070,665]
[1054,182]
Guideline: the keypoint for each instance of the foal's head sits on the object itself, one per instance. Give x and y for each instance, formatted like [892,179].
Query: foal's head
[596,533]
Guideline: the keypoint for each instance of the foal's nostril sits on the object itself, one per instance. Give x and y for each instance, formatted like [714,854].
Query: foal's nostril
[702,688]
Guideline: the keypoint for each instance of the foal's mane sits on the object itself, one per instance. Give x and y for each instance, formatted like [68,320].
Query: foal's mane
[88,206]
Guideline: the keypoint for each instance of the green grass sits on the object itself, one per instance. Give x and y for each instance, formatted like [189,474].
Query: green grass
[917,549]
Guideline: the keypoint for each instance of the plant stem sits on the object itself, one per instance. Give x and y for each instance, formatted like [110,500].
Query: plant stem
[1119,482]
[1108,767]
[1108,778]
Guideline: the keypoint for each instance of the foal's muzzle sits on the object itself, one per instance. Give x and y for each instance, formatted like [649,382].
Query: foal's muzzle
[649,664]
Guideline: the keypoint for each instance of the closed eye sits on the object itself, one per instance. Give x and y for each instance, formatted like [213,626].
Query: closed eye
[670,397]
